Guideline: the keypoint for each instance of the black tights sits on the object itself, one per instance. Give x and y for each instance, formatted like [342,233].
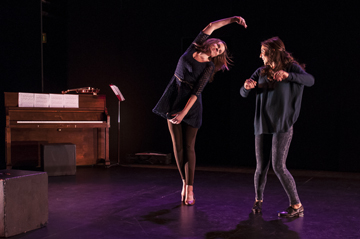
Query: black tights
[183,137]
[274,148]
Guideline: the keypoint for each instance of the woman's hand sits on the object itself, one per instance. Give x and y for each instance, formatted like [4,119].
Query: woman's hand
[239,20]
[280,75]
[177,118]
[249,84]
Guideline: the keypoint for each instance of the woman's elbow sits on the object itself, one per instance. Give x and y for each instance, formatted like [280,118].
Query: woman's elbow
[311,81]
[243,92]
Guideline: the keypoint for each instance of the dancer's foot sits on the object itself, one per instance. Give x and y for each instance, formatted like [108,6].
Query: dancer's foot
[189,199]
[190,203]
[257,206]
[293,211]
[183,191]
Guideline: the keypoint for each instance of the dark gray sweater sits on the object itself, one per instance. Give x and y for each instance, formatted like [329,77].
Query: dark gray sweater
[278,103]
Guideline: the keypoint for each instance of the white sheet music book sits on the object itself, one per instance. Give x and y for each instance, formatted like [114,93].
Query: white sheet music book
[117,92]
[56,100]
[41,100]
[71,101]
[26,99]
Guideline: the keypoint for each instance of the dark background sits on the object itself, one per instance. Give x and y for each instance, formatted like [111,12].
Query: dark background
[136,44]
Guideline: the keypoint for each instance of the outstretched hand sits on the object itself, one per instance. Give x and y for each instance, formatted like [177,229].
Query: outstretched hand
[240,21]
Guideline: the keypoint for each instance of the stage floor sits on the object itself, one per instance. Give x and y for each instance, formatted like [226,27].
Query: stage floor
[129,202]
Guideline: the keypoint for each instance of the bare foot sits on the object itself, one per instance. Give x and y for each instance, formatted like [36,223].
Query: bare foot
[189,194]
[183,191]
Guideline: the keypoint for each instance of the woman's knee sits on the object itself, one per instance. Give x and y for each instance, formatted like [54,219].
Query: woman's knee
[279,168]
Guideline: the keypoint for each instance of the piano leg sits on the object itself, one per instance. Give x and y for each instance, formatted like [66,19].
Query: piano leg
[107,160]
[103,145]
[8,143]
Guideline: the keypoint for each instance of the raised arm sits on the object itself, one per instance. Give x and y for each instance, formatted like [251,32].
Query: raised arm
[223,22]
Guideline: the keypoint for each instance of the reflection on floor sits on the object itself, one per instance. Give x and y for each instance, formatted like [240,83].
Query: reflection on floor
[136,202]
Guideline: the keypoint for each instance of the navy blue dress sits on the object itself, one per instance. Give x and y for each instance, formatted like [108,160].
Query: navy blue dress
[190,78]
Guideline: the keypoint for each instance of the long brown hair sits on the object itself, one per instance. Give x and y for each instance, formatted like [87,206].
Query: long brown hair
[278,55]
[222,61]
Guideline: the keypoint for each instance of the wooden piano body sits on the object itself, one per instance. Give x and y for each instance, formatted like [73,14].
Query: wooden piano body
[87,127]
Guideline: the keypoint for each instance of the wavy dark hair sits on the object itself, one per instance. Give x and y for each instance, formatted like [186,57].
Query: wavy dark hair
[221,62]
[278,55]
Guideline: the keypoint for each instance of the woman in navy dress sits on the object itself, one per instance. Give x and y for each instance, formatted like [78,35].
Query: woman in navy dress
[181,103]
[279,86]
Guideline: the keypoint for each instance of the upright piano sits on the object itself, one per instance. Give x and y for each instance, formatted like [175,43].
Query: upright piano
[87,127]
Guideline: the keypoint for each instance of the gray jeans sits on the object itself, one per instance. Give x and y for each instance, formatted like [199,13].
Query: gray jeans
[274,148]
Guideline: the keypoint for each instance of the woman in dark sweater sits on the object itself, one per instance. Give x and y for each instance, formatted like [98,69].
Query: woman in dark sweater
[181,103]
[279,86]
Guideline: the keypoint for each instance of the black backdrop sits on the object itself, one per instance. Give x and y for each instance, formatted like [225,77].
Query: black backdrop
[136,44]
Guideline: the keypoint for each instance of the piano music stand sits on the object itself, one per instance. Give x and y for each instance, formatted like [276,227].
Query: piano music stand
[120,97]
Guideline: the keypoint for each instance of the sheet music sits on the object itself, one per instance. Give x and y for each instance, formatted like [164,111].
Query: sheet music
[48,100]
[41,100]
[117,92]
[26,99]
[60,122]
[71,101]
[57,100]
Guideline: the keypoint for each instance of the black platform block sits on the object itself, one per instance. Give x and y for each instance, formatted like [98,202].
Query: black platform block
[149,158]
[59,159]
[23,201]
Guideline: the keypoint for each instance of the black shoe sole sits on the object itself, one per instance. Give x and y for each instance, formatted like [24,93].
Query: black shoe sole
[300,214]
